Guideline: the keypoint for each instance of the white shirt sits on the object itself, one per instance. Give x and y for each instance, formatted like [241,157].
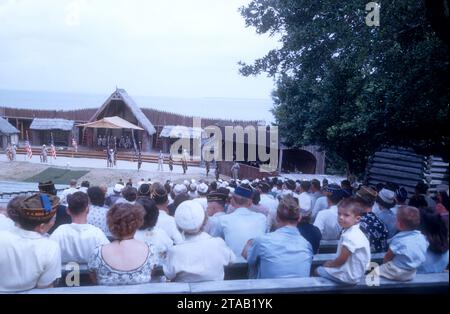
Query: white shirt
[239,227]
[78,241]
[66,193]
[157,238]
[354,268]
[5,222]
[187,262]
[320,204]
[167,223]
[97,217]
[272,204]
[27,260]
[327,222]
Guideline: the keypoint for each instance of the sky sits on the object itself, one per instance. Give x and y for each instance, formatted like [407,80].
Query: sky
[156,48]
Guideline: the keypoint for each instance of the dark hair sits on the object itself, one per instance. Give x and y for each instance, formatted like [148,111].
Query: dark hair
[256,198]
[421,188]
[124,219]
[129,193]
[379,187]
[159,194]
[144,190]
[409,217]
[315,183]
[167,187]
[418,201]
[435,230]
[28,224]
[336,197]
[345,184]
[77,202]
[444,197]
[305,185]
[151,212]
[96,196]
[212,186]
[353,204]
[177,201]
[85,184]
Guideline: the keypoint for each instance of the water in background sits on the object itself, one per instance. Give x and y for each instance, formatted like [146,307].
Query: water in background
[223,108]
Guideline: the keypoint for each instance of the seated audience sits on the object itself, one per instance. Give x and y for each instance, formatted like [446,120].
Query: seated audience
[186,262]
[370,224]
[407,249]
[353,253]
[125,261]
[79,239]
[435,231]
[151,234]
[98,210]
[29,259]
[283,253]
[327,220]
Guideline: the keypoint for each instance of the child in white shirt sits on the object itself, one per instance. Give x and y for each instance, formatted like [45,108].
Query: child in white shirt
[353,253]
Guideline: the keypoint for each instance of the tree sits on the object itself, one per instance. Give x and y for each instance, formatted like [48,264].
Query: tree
[348,87]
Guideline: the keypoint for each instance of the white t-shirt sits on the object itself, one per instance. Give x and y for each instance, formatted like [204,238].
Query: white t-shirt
[78,241]
[5,222]
[327,222]
[167,223]
[187,261]
[27,260]
[354,268]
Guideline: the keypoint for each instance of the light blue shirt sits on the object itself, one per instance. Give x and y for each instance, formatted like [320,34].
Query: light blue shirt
[409,248]
[239,227]
[434,263]
[280,254]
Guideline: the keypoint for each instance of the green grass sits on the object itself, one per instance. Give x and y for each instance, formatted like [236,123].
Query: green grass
[58,176]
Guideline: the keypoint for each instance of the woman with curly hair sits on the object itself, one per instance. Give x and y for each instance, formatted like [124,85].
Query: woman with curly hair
[125,261]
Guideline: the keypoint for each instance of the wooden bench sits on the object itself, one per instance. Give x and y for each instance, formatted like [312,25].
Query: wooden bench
[232,272]
[422,283]
[328,246]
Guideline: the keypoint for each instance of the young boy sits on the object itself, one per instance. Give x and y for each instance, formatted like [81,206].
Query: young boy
[353,253]
[407,249]
[78,239]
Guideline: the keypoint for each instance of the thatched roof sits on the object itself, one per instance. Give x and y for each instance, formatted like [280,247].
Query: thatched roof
[7,128]
[52,124]
[121,94]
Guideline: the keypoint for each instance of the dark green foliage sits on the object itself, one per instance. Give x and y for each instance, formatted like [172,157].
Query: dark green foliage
[349,87]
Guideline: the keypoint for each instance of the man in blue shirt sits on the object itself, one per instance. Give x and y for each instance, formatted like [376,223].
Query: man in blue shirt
[283,253]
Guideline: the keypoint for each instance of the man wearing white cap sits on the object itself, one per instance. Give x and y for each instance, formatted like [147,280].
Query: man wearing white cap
[192,190]
[202,190]
[111,199]
[243,224]
[186,262]
[383,210]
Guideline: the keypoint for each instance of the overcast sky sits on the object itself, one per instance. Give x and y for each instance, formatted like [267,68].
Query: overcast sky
[160,48]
